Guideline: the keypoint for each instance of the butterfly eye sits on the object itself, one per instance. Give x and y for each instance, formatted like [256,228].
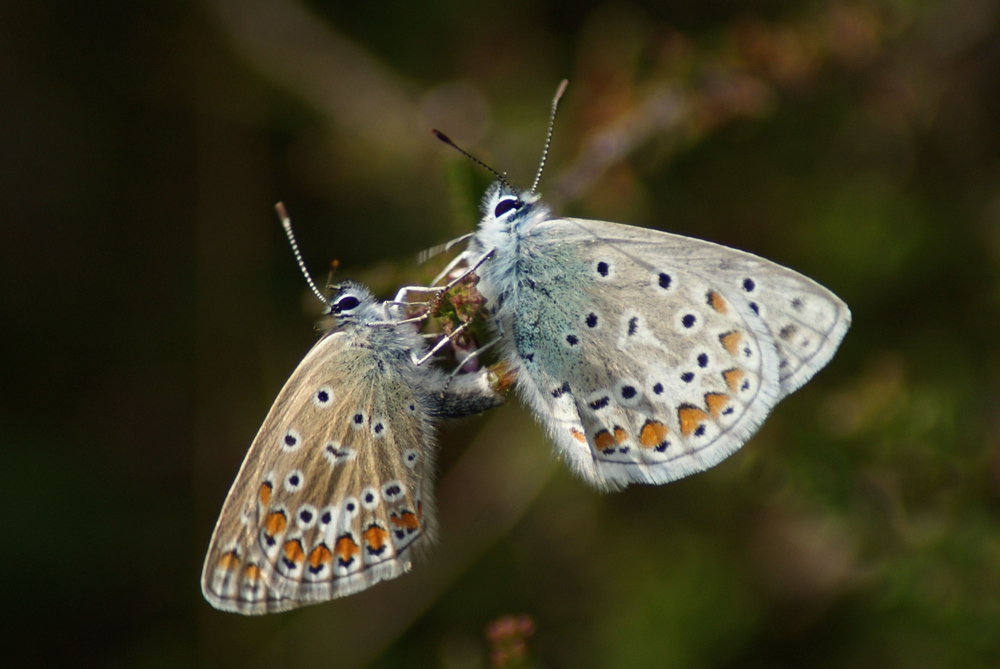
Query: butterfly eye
[506,205]
[346,304]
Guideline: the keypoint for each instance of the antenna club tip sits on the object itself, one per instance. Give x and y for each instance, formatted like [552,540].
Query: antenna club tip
[444,138]
[282,214]
[562,88]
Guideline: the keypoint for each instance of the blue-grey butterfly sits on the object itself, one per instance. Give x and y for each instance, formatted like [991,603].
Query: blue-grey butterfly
[647,356]
[336,491]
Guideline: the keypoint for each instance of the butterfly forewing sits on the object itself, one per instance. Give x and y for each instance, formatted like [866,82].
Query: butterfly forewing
[335,491]
[806,321]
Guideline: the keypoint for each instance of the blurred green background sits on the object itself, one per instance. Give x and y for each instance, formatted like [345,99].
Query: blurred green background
[146,286]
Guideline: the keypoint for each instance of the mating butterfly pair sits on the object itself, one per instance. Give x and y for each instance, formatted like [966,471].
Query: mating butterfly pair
[647,356]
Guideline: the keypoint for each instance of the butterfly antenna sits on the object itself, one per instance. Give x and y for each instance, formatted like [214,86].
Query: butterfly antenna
[334,266]
[548,137]
[286,223]
[447,140]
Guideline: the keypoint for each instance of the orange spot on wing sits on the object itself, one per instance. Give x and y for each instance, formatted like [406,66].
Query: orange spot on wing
[620,434]
[275,523]
[346,548]
[375,536]
[406,520]
[579,436]
[228,561]
[690,417]
[293,551]
[653,434]
[252,572]
[603,440]
[716,402]
[319,556]
[731,341]
[733,378]
[716,302]
[264,495]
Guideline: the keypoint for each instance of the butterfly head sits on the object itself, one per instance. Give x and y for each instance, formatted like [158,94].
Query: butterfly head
[508,214]
[351,302]
[506,207]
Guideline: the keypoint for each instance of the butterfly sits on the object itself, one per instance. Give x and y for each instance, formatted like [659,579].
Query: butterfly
[647,356]
[336,491]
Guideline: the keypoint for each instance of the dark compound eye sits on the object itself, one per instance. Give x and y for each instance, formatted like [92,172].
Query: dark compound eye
[506,205]
[346,304]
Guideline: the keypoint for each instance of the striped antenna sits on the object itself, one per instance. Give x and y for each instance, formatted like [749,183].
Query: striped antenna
[286,223]
[447,140]
[548,137]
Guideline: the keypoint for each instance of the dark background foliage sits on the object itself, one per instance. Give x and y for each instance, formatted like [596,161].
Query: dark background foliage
[151,311]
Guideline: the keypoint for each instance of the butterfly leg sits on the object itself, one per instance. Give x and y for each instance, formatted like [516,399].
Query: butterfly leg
[460,278]
[401,306]
[401,296]
[424,256]
[448,268]
[437,290]
[493,342]
[441,344]
[392,324]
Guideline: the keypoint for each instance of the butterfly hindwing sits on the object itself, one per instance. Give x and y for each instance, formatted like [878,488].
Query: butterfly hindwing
[336,491]
[330,511]
[366,472]
[641,375]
